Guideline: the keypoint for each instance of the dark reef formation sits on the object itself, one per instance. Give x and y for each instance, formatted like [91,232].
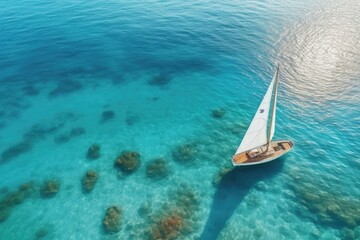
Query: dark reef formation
[131,119]
[30,90]
[160,80]
[185,153]
[65,137]
[89,180]
[112,219]
[93,151]
[154,99]
[65,87]
[106,116]
[16,150]
[157,169]
[11,199]
[40,131]
[325,206]
[49,188]
[41,233]
[44,129]
[128,162]
[218,113]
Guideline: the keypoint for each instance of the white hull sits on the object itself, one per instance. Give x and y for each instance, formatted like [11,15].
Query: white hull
[242,159]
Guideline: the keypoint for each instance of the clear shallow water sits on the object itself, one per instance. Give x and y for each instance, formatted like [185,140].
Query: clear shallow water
[64,63]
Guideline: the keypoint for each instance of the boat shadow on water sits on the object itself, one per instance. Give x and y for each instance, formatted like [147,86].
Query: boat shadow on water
[230,192]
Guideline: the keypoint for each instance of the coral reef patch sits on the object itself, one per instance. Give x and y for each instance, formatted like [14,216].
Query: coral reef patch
[112,219]
[128,161]
[93,151]
[177,219]
[11,199]
[157,169]
[50,188]
[167,227]
[185,153]
[89,180]
[325,206]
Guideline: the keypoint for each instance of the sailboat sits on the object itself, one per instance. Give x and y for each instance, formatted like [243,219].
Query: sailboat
[256,147]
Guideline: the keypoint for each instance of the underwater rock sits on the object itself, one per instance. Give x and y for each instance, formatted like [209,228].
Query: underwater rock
[218,113]
[112,219]
[65,87]
[157,169]
[106,116]
[50,188]
[16,150]
[93,151]
[89,180]
[184,153]
[160,80]
[128,161]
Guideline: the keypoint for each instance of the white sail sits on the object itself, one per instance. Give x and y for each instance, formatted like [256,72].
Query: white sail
[256,134]
[275,98]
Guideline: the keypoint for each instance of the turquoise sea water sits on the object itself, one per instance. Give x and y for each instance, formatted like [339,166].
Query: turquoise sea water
[146,77]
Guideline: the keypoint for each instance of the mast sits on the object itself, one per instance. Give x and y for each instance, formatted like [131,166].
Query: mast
[273,108]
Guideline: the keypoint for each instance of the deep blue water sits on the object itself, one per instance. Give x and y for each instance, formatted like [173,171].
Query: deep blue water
[146,77]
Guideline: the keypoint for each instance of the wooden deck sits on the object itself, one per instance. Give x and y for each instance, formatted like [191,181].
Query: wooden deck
[279,148]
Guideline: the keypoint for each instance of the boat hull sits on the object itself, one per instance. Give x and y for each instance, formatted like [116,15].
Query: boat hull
[280,147]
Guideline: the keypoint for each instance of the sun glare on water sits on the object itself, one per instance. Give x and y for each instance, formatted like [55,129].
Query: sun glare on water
[321,53]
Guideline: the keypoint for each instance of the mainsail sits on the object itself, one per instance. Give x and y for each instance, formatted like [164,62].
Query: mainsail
[256,134]
[272,128]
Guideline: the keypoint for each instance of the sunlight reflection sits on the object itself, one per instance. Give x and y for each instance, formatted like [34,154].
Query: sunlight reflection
[321,54]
